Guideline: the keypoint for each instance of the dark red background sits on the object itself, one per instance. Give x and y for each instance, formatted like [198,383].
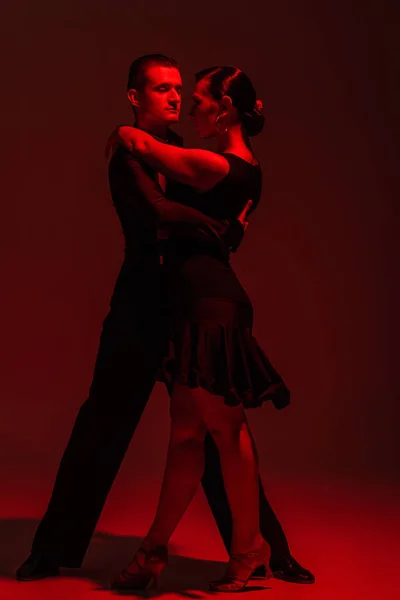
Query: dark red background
[319,260]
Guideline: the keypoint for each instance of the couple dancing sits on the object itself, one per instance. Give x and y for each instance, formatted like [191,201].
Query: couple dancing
[177,314]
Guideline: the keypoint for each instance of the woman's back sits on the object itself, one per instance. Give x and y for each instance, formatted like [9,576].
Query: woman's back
[227,199]
[200,270]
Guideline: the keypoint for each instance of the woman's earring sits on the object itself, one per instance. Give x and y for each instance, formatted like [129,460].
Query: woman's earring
[217,127]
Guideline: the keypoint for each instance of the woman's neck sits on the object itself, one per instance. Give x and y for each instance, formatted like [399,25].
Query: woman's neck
[233,141]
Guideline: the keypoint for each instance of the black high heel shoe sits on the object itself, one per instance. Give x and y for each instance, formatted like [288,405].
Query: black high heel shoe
[143,571]
[240,569]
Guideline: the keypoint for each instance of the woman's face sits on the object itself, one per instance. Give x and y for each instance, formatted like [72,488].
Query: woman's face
[204,110]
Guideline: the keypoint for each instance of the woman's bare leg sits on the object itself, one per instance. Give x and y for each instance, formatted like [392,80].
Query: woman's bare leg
[184,467]
[239,464]
[193,411]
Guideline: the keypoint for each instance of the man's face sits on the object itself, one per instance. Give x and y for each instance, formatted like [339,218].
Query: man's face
[160,99]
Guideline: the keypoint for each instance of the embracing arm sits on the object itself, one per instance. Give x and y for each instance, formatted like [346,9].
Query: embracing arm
[143,197]
[199,168]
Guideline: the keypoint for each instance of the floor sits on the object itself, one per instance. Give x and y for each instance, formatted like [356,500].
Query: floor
[346,533]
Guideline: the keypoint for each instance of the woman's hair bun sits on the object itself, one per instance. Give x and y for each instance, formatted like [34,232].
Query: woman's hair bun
[253,121]
[233,82]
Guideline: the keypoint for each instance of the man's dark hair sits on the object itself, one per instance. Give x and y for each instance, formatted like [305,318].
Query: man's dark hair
[137,71]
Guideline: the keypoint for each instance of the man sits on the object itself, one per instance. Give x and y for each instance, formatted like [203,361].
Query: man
[132,344]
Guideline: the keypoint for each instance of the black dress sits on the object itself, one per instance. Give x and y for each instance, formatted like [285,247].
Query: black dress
[212,345]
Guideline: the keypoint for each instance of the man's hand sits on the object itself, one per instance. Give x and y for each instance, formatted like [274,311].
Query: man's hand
[235,229]
[243,215]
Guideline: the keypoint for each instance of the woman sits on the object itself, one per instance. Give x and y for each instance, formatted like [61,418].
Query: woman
[215,366]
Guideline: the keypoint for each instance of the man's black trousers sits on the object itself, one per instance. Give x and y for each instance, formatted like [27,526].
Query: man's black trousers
[128,358]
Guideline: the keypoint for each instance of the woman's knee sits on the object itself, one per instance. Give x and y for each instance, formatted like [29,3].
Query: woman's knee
[227,432]
[182,433]
[233,436]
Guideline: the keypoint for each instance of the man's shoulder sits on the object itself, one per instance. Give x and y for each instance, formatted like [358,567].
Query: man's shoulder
[175,139]
[120,155]
[123,159]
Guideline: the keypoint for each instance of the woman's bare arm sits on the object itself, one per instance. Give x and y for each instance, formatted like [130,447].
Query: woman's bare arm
[199,168]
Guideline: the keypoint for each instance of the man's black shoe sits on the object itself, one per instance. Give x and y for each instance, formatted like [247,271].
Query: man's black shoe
[36,567]
[288,569]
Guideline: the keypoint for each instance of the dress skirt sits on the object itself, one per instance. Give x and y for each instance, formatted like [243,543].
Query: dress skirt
[212,347]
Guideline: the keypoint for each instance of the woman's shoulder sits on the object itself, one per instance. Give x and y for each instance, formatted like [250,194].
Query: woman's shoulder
[247,159]
[245,178]
[241,170]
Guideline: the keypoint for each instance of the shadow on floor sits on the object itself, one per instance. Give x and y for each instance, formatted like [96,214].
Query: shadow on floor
[108,554]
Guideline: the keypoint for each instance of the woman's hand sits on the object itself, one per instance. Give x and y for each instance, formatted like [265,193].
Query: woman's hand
[123,135]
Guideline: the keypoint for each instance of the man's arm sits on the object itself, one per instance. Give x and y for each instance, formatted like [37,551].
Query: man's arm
[145,202]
